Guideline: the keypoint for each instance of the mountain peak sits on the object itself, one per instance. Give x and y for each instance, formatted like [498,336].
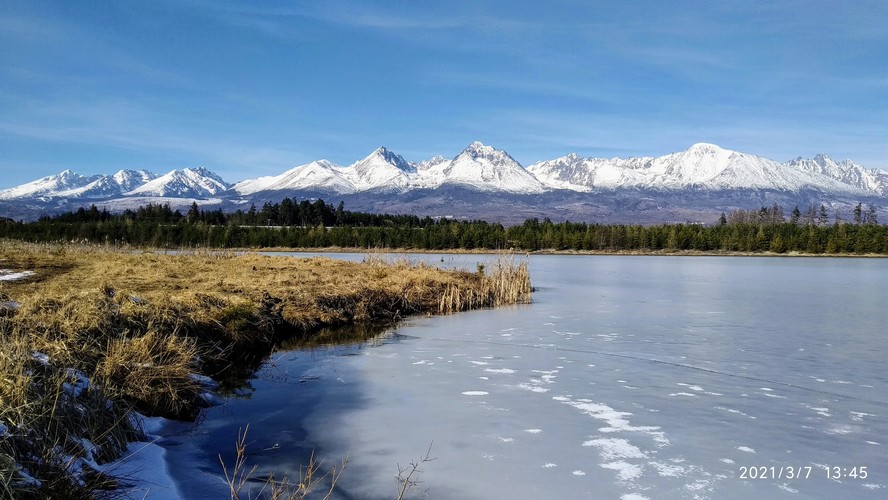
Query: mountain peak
[476,150]
[705,148]
[389,157]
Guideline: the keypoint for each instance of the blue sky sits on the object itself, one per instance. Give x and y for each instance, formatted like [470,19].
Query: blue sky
[254,88]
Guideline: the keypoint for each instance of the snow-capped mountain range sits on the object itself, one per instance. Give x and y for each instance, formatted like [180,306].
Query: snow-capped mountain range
[703,170]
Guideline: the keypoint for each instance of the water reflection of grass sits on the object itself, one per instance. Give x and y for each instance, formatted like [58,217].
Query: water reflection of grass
[95,333]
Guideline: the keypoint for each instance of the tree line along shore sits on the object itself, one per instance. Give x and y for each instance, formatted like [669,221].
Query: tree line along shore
[90,335]
[305,224]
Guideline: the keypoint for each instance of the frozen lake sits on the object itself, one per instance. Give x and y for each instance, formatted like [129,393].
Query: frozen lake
[628,377]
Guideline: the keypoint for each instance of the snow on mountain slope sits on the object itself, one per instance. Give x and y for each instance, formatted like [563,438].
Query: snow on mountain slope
[484,168]
[110,185]
[48,186]
[702,166]
[131,179]
[431,162]
[585,174]
[381,170]
[185,183]
[846,171]
[320,175]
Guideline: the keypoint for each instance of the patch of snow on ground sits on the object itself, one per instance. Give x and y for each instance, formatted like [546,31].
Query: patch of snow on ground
[8,275]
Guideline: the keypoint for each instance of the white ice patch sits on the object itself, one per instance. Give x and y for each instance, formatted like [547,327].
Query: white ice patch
[726,460]
[746,449]
[614,448]
[423,362]
[532,388]
[481,363]
[533,431]
[786,487]
[668,470]
[821,411]
[872,486]
[475,393]
[696,388]
[775,396]
[505,439]
[499,370]
[857,416]
[841,429]
[625,471]
[578,473]
[616,420]
[686,394]
[549,465]
[633,496]
[731,410]
[698,485]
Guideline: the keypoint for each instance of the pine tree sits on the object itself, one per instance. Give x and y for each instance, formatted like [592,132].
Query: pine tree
[193,213]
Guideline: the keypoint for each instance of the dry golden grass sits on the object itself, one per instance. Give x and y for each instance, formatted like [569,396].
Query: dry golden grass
[139,324]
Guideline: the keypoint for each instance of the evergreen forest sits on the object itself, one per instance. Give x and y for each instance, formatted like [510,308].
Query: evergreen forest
[316,224]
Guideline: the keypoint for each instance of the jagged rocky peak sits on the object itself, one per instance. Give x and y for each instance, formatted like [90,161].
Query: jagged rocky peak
[391,157]
[431,162]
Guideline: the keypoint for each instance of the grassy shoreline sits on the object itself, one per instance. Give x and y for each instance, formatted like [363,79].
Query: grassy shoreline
[459,251]
[97,333]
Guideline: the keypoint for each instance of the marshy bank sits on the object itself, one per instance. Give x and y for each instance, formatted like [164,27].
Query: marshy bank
[95,335]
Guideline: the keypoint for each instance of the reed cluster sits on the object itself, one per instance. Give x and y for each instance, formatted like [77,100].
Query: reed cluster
[96,333]
[507,283]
